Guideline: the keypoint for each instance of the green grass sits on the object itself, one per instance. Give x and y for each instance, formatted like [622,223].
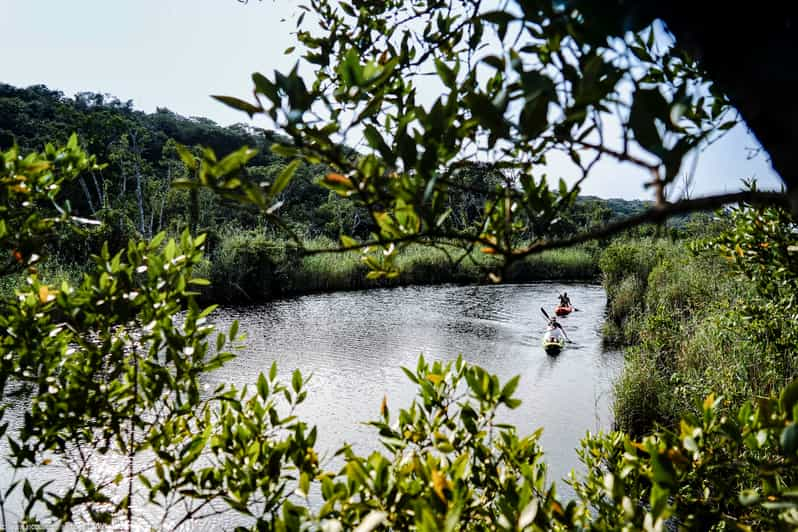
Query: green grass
[418,265]
[246,266]
[684,332]
[576,263]
[50,271]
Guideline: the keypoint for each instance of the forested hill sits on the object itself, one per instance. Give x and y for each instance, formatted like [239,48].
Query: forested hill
[132,193]
[139,152]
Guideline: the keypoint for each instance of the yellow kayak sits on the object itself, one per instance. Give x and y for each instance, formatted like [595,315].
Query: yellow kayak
[553,342]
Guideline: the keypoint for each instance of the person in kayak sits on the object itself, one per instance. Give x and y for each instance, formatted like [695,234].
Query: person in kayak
[565,301]
[554,325]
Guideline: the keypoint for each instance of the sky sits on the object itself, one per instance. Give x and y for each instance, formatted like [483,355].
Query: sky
[176,53]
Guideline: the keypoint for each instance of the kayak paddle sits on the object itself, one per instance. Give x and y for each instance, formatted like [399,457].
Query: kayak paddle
[563,330]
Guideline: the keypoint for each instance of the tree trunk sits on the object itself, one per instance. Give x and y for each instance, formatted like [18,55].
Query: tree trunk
[139,191]
[100,194]
[87,194]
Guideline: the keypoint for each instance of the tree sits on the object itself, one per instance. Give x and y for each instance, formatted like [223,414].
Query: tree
[517,85]
[110,368]
[111,371]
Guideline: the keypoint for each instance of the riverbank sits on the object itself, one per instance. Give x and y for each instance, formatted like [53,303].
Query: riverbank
[248,268]
[685,320]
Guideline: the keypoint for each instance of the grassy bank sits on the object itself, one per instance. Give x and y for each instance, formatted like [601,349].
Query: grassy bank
[248,266]
[680,316]
[51,271]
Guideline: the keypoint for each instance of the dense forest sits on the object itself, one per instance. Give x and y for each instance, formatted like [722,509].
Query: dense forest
[250,256]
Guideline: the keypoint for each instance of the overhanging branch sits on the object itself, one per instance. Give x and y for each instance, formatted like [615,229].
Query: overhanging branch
[659,214]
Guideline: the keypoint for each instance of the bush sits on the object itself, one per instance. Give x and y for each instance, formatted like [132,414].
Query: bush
[625,267]
[249,266]
[700,322]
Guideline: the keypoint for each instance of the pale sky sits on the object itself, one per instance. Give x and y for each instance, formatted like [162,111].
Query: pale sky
[175,53]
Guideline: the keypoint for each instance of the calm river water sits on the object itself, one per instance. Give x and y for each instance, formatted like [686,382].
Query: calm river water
[354,344]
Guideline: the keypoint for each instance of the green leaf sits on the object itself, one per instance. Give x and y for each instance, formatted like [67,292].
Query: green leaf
[220,341]
[410,375]
[186,156]
[789,439]
[789,397]
[663,471]
[512,403]
[296,380]
[304,483]
[447,75]
[509,388]
[265,87]
[236,103]
[407,149]
[348,241]
[534,117]
[263,387]
[494,61]
[284,177]
[376,141]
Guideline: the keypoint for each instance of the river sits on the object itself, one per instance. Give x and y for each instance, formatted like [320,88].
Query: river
[354,344]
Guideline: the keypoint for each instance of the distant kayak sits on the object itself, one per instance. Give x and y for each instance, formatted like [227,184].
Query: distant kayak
[553,341]
[563,311]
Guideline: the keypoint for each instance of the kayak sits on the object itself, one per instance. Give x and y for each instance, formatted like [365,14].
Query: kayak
[553,342]
[563,311]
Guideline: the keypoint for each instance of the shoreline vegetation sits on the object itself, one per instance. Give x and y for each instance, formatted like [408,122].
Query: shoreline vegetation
[247,267]
[707,404]
[698,317]
[270,271]
[693,327]
[674,309]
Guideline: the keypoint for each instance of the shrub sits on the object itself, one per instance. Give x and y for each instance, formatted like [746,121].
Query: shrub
[249,266]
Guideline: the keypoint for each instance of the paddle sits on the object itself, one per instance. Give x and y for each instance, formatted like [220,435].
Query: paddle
[563,330]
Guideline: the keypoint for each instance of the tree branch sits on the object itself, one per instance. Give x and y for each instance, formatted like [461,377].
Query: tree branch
[658,214]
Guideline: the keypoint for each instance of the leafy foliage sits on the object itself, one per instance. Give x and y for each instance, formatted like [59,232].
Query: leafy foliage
[712,313]
[111,368]
[28,193]
[517,85]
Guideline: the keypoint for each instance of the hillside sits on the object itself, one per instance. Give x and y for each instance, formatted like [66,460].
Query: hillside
[132,193]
